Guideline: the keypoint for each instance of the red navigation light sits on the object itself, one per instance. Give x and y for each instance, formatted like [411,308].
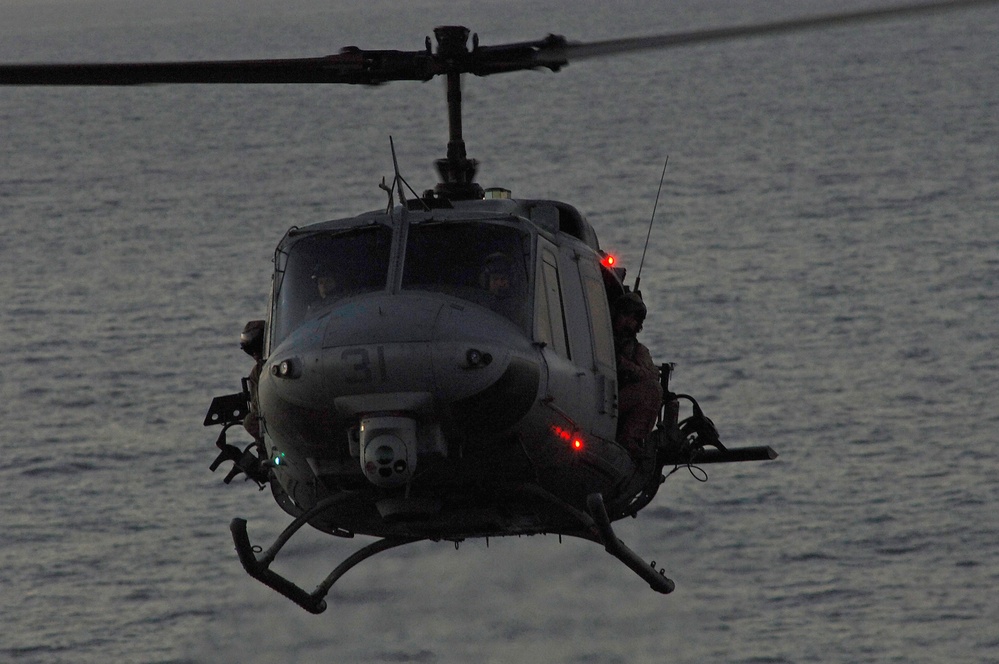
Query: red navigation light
[575,442]
[609,260]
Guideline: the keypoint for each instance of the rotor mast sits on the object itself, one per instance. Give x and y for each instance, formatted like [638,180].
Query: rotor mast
[457,171]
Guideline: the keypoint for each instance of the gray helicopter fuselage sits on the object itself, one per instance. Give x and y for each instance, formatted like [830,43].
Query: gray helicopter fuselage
[427,364]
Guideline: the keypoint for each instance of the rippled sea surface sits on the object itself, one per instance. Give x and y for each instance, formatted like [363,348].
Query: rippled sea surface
[824,270]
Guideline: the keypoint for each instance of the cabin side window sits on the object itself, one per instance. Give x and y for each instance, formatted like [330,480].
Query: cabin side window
[548,312]
[325,267]
[483,263]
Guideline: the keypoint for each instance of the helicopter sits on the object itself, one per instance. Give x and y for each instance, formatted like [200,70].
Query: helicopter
[395,393]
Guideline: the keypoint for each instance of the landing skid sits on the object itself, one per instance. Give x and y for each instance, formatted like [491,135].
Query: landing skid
[596,528]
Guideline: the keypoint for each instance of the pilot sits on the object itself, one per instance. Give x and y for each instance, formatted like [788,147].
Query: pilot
[499,279]
[251,340]
[496,274]
[640,394]
[328,287]
[326,284]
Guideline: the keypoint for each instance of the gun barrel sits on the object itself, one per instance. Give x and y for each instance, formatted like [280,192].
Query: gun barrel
[729,455]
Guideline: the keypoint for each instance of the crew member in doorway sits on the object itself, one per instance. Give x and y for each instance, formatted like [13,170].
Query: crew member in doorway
[640,394]
[251,340]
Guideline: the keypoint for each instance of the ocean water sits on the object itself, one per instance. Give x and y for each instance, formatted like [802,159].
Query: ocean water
[823,268]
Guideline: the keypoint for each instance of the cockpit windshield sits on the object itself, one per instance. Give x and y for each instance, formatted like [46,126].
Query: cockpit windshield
[484,263]
[325,267]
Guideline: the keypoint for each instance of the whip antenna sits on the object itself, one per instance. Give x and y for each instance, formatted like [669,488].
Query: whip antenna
[638,278]
[398,175]
[398,181]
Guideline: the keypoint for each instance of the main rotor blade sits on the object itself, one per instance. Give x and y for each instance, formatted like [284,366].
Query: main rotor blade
[360,67]
[579,51]
[352,66]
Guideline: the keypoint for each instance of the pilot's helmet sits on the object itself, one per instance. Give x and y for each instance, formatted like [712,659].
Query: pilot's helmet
[631,303]
[322,270]
[251,339]
[496,273]
[326,279]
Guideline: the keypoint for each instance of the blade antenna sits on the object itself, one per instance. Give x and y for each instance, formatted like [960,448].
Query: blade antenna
[638,278]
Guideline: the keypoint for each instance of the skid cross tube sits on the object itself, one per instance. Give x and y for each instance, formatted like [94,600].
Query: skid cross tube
[657,579]
[596,527]
[259,569]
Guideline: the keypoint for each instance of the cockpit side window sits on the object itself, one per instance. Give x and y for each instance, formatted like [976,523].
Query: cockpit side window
[484,263]
[325,267]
